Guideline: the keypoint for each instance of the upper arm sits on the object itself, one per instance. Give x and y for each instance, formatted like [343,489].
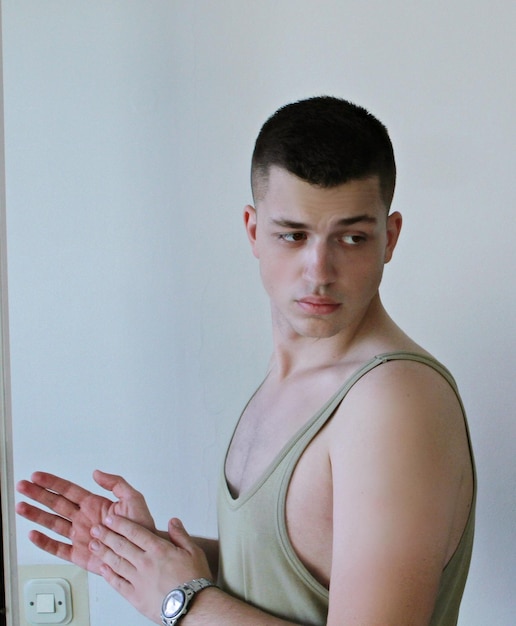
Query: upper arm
[398,455]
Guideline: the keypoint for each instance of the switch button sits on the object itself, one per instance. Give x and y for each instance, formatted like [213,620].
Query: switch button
[45,603]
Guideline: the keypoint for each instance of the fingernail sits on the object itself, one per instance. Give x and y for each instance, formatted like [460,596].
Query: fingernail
[95,531]
[94,545]
[108,520]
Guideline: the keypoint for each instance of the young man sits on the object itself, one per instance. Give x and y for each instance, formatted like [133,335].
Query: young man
[348,490]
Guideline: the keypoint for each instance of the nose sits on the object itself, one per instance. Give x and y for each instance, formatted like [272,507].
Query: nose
[319,267]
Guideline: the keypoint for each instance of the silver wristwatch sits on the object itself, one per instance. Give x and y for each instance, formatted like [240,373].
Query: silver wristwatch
[175,603]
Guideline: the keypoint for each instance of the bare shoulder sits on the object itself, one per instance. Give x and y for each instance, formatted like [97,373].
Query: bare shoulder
[402,490]
[401,388]
[407,412]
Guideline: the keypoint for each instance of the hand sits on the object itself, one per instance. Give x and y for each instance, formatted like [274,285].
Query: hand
[143,567]
[76,510]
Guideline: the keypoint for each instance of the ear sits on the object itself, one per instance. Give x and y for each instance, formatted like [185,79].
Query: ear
[250,227]
[394,223]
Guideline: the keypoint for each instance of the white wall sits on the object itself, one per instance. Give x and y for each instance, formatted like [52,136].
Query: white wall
[137,324]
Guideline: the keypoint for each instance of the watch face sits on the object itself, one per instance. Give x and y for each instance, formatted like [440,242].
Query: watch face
[174,603]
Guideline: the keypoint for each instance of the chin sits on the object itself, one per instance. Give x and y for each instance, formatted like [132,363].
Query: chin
[317,330]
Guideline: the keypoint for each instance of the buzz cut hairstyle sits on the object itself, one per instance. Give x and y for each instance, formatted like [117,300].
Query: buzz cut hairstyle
[325,141]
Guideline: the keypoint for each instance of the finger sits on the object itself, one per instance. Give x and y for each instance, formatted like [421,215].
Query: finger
[120,584]
[50,499]
[137,535]
[52,546]
[115,551]
[117,542]
[55,523]
[72,492]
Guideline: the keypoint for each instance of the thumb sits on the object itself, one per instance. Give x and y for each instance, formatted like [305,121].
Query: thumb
[178,534]
[105,480]
[118,486]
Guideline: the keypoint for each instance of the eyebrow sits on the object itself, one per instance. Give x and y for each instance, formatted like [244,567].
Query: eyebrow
[345,221]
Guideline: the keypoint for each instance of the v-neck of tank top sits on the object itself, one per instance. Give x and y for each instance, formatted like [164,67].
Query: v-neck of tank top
[327,409]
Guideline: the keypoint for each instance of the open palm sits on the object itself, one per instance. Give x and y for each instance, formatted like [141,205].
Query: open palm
[75,510]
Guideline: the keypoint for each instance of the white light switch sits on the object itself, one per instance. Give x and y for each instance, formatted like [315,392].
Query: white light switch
[79,601]
[48,601]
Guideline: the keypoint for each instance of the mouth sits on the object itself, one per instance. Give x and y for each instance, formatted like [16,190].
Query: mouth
[315,305]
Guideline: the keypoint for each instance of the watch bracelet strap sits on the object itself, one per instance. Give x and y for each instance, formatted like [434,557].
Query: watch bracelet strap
[198,584]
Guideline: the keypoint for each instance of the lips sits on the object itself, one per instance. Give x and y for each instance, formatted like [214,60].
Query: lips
[315,305]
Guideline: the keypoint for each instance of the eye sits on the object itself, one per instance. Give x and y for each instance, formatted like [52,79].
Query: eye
[292,237]
[353,240]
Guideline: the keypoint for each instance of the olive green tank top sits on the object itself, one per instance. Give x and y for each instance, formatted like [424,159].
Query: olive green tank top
[257,561]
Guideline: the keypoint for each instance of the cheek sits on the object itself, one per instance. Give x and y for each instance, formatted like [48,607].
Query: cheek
[373,276]
[365,274]
[277,276]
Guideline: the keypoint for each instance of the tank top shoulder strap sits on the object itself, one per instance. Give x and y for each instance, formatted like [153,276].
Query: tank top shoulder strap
[334,402]
[327,410]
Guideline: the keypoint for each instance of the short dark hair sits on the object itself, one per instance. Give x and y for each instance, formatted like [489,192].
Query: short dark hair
[325,141]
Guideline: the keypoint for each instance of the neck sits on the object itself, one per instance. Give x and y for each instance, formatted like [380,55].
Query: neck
[294,353]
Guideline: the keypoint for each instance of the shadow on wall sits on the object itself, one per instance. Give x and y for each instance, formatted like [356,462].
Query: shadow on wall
[2,587]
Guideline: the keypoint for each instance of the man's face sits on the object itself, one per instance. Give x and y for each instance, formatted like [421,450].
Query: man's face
[321,252]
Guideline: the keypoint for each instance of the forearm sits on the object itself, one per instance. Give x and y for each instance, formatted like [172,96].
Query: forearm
[213,607]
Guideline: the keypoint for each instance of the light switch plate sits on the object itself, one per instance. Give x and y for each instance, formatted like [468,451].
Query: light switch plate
[47,601]
[76,578]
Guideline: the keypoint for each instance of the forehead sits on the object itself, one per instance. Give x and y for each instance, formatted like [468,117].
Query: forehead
[289,197]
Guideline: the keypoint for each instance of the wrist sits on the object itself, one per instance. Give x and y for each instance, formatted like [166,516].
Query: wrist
[177,602]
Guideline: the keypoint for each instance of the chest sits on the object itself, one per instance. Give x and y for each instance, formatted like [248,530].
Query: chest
[269,424]
[270,421]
